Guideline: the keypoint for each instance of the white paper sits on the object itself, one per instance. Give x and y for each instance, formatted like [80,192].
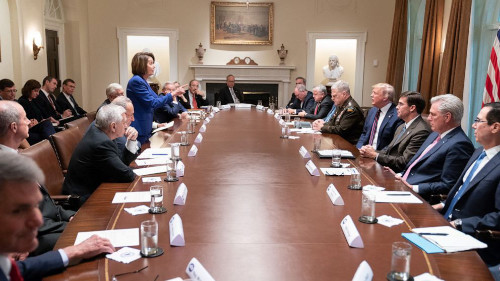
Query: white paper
[192,152]
[118,237]
[396,197]
[179,169]
[304,153]
[370,187]
[181,195]
[153,161]
[155,153]
[312,169]
[329,152]
[293,137]
[339,171]
[225,107]
[176,231]
[151,170]
[389,221]
[207,120]
[363,273]
[203,128]
[175,279]
[453,241]
[151,179]
[426,277]
[242,105]
[168,125]
[196,271]
[125,255]
[132,197]
[199,138]
[260,107]
[351,233]
[138,210]
[334,195]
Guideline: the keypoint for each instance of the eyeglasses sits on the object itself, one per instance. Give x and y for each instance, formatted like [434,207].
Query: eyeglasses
[11,91]
[135,271]
[477,120]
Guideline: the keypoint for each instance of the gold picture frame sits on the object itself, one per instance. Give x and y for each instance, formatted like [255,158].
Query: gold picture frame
[241,23]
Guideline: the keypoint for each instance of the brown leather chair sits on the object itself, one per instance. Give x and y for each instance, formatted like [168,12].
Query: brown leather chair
[64,143]
[45,157]
[82,124]
[91,116]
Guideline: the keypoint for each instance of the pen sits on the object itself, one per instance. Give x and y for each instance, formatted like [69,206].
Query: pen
[159,154]
[437,234]
[398,194]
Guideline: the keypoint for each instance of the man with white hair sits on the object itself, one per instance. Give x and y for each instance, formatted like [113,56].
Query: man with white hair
[169,111]
[113,91]
[96,158]
[323,104]
[436,166]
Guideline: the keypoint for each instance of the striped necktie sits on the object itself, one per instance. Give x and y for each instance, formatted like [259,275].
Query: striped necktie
[374,127]
[427,149]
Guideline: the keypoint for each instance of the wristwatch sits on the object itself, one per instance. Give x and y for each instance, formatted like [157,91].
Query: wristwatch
[458,224]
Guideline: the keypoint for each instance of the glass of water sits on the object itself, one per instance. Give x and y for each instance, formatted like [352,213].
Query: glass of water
[400,263]
[336,156]
[218,104]
[175,151]
[355,180]
[149,239]
[156,206]
[368,207]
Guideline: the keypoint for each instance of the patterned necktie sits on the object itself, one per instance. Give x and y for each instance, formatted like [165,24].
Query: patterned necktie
[427,149]
[235,99]
[316,109]
[374,127]
[330,114]
[51,100]
[14,274]
[462,189]
[401,133]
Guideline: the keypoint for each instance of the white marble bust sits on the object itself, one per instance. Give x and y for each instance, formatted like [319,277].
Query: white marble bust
[333,71]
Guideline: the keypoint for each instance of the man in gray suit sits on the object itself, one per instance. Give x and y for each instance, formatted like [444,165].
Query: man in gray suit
[408,137]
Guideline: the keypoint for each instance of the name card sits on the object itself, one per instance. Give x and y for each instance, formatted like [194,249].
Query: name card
[260,107]
[192,152]
[176,231]
[303,151]
[203,128]
[181,195]
[363,273]
[179,169]
[212,114]
[226,106]
[196,271]
[276,115]
[334,195]
[198,138]
[351,233]
[206,121]
[313,170]
[282,122]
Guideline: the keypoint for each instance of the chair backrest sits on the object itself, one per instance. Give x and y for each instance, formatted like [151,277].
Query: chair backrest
[45,157]
[82,124]
[64,143]
[91,116]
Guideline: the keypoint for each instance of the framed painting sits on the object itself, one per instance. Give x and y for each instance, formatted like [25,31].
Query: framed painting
[241,23]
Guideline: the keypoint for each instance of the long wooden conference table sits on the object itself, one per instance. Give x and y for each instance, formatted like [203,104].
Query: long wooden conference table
[253,212]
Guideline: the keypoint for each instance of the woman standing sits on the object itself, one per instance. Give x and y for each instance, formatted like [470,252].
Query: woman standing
[145,100]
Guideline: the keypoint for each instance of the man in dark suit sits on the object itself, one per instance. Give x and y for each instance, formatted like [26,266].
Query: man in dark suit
[304,101]
[47,102]
[382,119]
[408,137]
[323,104]
[19,178]
[97,155]
[348,118]
[230,94]
[298,81]
[7,90]
[436,166]
[194,98]
[170,110]
[65,100]
[474,201]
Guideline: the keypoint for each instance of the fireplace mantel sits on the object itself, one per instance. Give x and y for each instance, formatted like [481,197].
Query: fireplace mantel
[252,74]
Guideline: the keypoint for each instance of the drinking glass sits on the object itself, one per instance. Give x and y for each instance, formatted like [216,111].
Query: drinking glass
[400,263]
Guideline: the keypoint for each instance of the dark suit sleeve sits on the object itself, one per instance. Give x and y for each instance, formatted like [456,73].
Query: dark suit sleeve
[308,107]
[324,108]
[398,162]
[35,268]
[488,221]
[453,165]
[116,169]
[201,101]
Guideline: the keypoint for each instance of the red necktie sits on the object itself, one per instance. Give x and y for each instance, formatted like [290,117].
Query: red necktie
[316,110]
[374,127]
[52,102]
[15,275]
[195,106]
[405,176]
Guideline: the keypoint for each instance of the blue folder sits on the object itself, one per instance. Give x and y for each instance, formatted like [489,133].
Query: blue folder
[422,243]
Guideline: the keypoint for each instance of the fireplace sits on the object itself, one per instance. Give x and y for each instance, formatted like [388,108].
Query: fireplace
[256,82]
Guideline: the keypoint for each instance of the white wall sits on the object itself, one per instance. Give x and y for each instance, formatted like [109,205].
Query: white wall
[6,63]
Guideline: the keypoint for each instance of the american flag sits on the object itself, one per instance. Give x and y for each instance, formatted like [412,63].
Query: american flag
[492,86]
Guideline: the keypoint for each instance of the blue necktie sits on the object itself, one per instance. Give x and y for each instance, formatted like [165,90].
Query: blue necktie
[330,114]
[401,133]
[465,185]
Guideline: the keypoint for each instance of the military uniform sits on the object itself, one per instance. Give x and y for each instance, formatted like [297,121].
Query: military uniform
[347,121]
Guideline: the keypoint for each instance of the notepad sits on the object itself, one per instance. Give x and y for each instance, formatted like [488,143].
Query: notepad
[449,239]
[424,244]
[327,153]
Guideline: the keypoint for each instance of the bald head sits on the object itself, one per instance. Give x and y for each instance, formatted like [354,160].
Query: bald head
[13,124]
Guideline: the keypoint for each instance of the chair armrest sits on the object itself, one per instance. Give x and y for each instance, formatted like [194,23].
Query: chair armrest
[68,202]
[487,234]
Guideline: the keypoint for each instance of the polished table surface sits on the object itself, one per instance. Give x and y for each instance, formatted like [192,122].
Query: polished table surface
[253,212]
